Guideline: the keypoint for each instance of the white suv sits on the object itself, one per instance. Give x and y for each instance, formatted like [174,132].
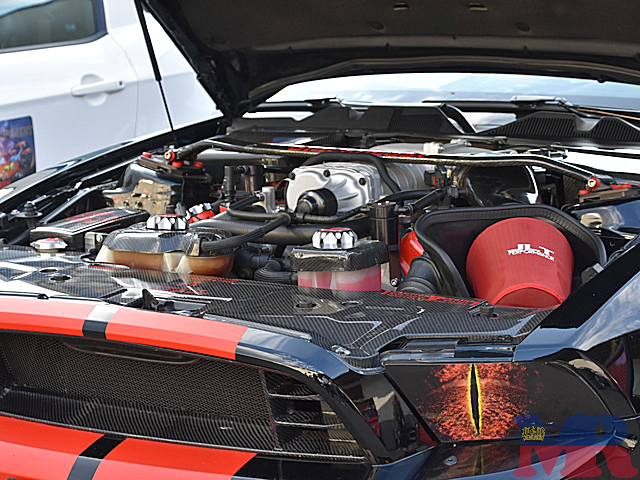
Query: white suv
[75,77]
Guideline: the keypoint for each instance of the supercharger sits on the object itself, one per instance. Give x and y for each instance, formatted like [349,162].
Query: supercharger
[353,184]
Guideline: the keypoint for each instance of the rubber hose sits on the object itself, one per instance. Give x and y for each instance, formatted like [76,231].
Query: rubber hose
[194,149]
[239,240]
[405,195]
[427,200]
[300,217]
[245,257]
[252,216]
[330,219]
[245,202]
[359,158]
[422,277]
[272,273]
[235,210]
[284,235]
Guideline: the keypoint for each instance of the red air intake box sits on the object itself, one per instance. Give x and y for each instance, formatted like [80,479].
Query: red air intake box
[521,262]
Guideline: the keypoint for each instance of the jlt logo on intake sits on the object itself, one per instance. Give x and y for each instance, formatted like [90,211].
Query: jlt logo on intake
[525,248]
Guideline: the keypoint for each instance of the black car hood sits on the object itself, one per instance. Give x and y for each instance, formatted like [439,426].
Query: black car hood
[244,51]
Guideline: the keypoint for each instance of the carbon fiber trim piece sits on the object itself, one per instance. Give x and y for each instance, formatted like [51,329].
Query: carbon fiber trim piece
[127,390]
[356,325]
[72,229]
[364,255]
[137,238]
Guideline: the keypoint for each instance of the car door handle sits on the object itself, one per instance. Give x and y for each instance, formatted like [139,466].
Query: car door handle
[108,85]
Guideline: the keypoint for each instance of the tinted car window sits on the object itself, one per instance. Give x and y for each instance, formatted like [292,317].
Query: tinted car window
[25,23]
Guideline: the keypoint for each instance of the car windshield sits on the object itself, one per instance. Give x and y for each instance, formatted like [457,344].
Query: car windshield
[419,87]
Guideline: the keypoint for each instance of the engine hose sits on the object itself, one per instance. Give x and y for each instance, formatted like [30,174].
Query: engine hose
[327,219]
[359,158]
[272,273]
[245,202]
[283,235]
[214,245]
[422,277]
[488,160]
[405,195]
[252,216]
[233,211]
[246,257]
[191,150]
[422,202]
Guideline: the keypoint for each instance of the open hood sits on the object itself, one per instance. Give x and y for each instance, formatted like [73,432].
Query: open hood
[245,51]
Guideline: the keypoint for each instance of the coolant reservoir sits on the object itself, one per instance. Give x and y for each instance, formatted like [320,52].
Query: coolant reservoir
[336,260]
[167,244]
[521,262]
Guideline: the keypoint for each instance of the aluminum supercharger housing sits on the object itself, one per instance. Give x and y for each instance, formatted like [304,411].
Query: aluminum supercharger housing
[353,184]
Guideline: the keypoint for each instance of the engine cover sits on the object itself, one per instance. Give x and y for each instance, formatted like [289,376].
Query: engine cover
[353,184]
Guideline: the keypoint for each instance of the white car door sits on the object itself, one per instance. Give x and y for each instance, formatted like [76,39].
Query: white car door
[65,84]
[187,100]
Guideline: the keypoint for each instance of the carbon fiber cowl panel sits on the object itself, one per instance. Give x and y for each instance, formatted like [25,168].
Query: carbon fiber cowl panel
[360,322]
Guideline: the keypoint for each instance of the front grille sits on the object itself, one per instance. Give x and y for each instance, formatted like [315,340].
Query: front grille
[166,395]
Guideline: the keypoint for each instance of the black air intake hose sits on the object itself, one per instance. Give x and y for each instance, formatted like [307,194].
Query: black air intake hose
[359,158]
[422,277]
[272,273]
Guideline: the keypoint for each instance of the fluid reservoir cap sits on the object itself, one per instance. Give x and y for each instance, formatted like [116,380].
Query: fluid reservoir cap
[335,238]
[197,209]
[199,212]
[168,221]
[49,245]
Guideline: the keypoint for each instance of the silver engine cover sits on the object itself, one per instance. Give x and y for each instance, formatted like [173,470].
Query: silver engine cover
[353,184]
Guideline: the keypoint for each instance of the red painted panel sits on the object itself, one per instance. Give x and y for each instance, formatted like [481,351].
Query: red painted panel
[195,335]
[30,450]
[148,460]
[63,317]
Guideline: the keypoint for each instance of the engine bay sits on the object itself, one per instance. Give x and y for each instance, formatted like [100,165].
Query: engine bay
[451,217]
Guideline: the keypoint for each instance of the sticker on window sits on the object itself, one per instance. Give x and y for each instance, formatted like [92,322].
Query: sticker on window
[17,150]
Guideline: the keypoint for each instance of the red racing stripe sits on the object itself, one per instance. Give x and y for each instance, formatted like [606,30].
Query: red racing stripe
[63,317]
[196,335]
[38,451]
[148,460]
